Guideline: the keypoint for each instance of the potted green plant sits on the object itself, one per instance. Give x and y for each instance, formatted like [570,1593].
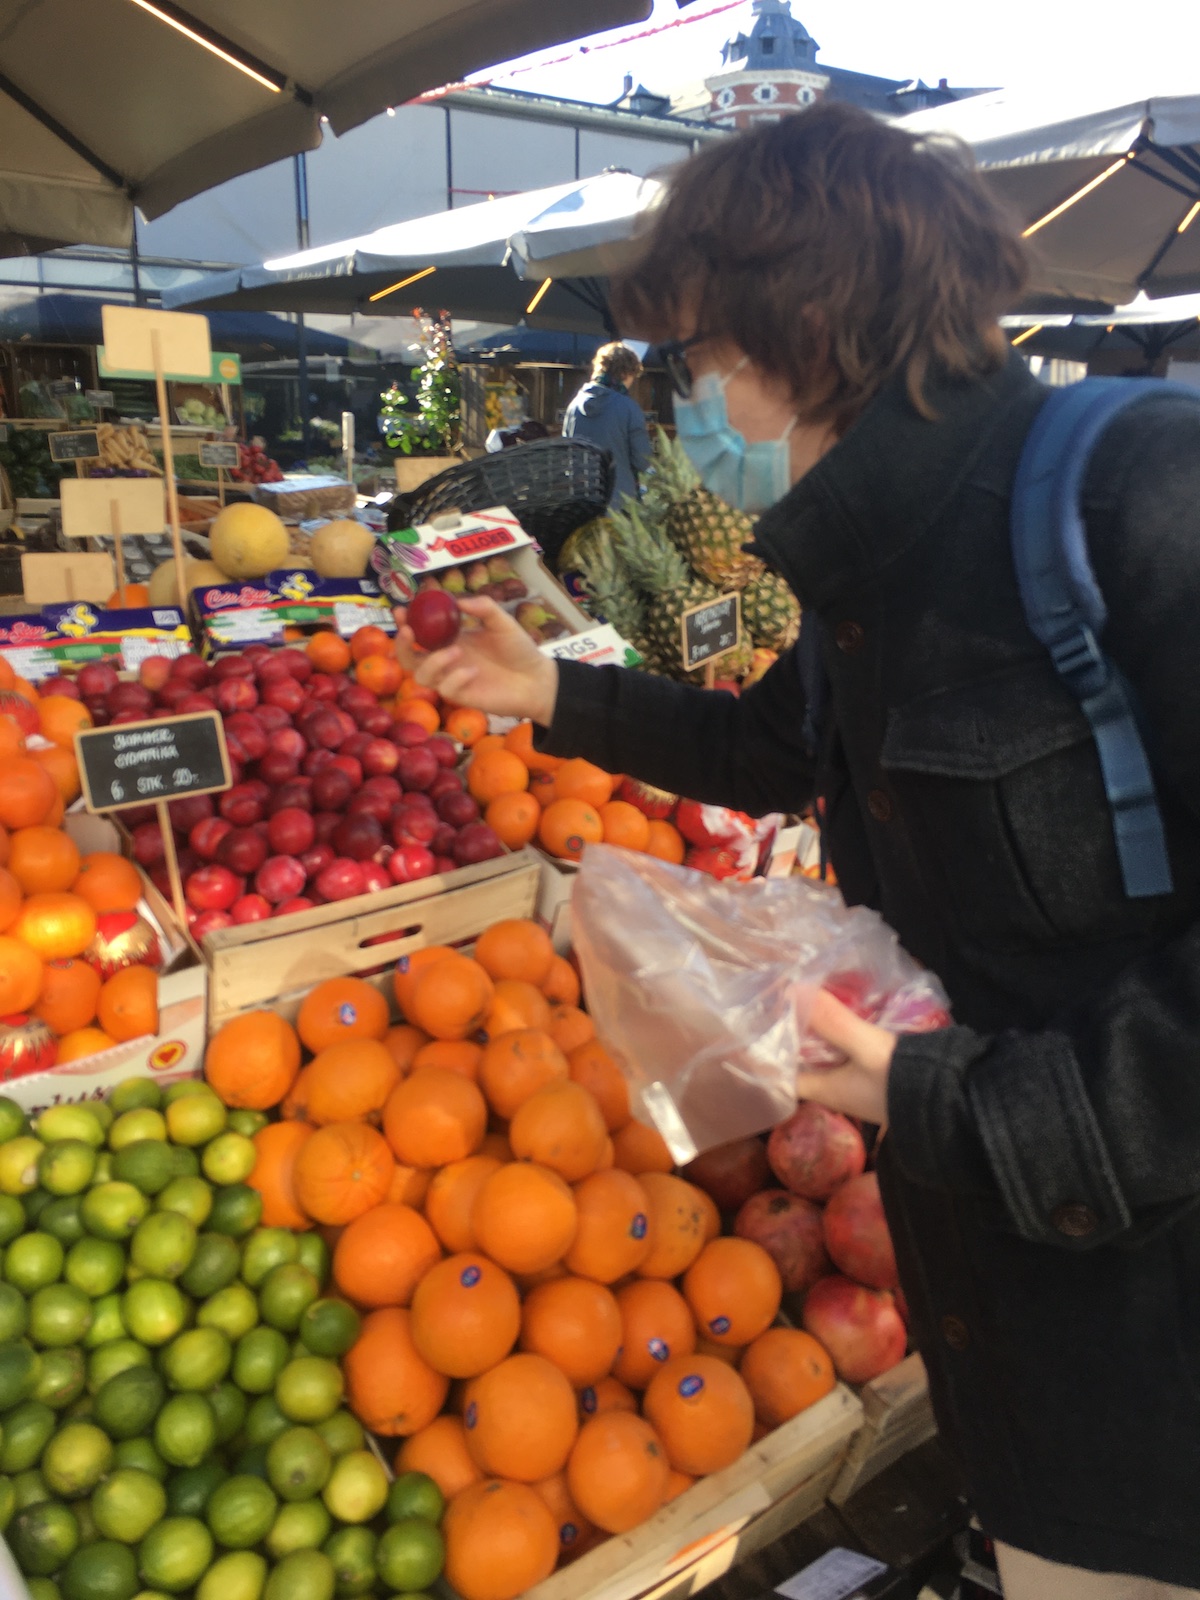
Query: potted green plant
[425,434]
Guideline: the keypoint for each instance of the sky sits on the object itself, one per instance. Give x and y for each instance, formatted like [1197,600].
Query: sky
[1122,50]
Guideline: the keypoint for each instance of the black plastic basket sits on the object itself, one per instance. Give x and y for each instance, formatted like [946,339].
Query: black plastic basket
[552,486]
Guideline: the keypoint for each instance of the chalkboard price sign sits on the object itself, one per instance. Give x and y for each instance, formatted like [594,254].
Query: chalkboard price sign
[83,445]
[216,454]
[711,630]
[141,763]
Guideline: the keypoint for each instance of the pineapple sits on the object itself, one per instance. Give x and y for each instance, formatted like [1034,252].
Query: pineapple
[706,531]
[771,613]
[610,588]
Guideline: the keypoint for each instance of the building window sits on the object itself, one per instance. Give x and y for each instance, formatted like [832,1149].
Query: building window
[765,93]
[725,98]
[805,95]
[767,46]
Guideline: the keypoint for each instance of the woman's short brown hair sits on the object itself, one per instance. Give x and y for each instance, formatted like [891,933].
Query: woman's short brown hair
[836,250]
[615,361]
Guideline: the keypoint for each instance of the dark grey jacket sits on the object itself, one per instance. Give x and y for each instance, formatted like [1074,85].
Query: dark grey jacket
[612,419]
[1042,1166]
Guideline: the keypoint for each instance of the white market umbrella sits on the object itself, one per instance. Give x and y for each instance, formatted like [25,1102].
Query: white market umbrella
[1108,194]
[1168,327]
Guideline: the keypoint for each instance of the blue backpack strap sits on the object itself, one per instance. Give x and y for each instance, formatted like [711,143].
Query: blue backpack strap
[1066,611]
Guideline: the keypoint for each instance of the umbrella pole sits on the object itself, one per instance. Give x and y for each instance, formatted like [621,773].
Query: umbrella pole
[160,385]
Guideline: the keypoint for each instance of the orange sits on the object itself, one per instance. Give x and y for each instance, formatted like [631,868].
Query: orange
[408,1187]
[55,925]
[490,741]
[61,717]
[451,1199]
[574,1323]
[516,1065]
[440,1452]
[328,652]
[466,725]
[465,1315]
[519,741]
[12,737]
[381,1256]
[501,1539]
[108,882]
[664,840]
[371,641]
[610,1394]
[407,970]
[677,1484]
[541,787]
[419,711]
[516,1005]
[82,1042]
[578,779]
[560,1127]
[70,990]
[450,998]
[342,1171]
[62,767]
[132,597]
[434,1117]
[677,1225]
[58,810]
[27,792]
[734,1289]
[341,1008]
[612,1238]
[515,948]
[617,1474]
[524,1217]
[567,826]
[786,1371]
[402,1043]
[640,1149]
[390,1388]
[702,1412]
[495,772]
[570,1028]
[380,674]
[591,1066]
[410,689]
[711,1221]
[625,825]
[128,1004]
[43,860]
[10,898]
[349,1080]
[276,1147]
[252,1061]
[451,1055]
[497,1145]
[513,818]
[656,1324]
[20,975]
[521,1419]
[574,1529]
[294,1105]
[561,983]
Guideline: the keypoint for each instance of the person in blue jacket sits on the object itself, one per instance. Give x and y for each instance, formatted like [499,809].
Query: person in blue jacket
[606,414]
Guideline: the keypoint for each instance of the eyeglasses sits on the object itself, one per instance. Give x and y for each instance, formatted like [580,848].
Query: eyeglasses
[674,359]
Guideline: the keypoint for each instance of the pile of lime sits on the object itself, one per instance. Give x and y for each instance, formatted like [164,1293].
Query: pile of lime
[171,1416]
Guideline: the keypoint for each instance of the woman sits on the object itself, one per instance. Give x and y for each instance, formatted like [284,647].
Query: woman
[606,414]
[833,287]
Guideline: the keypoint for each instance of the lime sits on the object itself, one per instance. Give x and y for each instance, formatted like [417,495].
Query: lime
[233,1309]
[175,1554]
[28,1488]
[185,1430]
[190,1197]
[258,1359]
[358,1487]
[236,1209]
[33,1204]
[62,1376]
[265,1249]
[59,1315]
[312,1252]
[229,1158]
[197,1360]
[188,1492]
[19,1164]
[118,1355]
[286,1294]
[88,1531]
[182,1087]
[240,1512]
[132,1127]
[33,1260]
[253,1462]
[163,1243]
[12,1218]
[128,1403]
[12,1119]
[128,1504]
[43,1588]
[66,1167]
[107,1322]
[14,1313]
[342,1433]
[240,1575]
[20,1368]
[195,1119]
[154,1310]
[410,1554]
[94,1265]
[61,1218]
[146,1163]
[43,1537]
[352,1551]
[69,1122]
[142,1456]
[304,1575]
[329,1327]
[247,1122]
[298,1464]
[76,1459]
[113,1210]
[80,1409]
[103,1113]
[309,1389]
[215,1262]
[265,1421]
[8,1502]
[104,1165]
[300,1525]
[414,1494]
[133,1093]
[101,1571]
[229,1408]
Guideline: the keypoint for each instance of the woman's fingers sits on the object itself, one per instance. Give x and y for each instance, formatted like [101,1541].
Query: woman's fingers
[837,1025]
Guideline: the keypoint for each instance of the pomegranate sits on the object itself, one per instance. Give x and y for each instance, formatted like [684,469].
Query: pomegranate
[789,1230]
[856,1233]
[730,1173]
[861,1328]
[815,1150]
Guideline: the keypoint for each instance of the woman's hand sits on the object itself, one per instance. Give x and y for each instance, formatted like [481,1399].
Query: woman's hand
[495,667]
[859,1088]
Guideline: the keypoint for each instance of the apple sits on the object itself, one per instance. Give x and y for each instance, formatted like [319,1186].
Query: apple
[130,697]
[60,685]
[446,782]
[291,831]
[367,803]
[476,842]
[444,749]
[296,661]
[457,808]
[190,809]
[213,888]
[96,680]
[250,908]
[434,618]
[315,761]
[354,746]
[271,718]
[241,805]
[324,728]
[148,847]
[316,858]
[275,768]
[280,877]
[340,880]
[154,672]
[205,838]
[422,801]
[325,822]
[242,850]
[284,692]
[190,669]
[321,687]
[381,783]
[236,694]
[375,878]
[294,792]
[409,734]
[377,722]
[352,697]
[202,923]
[298,902]
[287,742]
[238,664]
[267,669]
[411,825]
[380,756]
[409,862]
[249,730]
[331,789]
[417,767]
[196,701]
[358,836]
[442,843]
[172,692]
[351,766]
[127,716]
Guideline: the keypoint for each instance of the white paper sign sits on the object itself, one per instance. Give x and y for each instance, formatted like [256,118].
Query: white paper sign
[349,618]
[137,649]
[837,1575]
[254,625]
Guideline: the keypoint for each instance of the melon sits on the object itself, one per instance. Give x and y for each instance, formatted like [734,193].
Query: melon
[341,549]
[248,540]
[163,588]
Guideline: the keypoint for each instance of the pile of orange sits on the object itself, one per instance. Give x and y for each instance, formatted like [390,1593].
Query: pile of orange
[563,805]
[552,1323]
[369,656]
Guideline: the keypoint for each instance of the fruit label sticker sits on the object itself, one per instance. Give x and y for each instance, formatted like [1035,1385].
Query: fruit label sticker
[138,763]
[710,630]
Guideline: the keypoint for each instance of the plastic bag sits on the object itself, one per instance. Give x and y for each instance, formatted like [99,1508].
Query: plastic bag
[702,989]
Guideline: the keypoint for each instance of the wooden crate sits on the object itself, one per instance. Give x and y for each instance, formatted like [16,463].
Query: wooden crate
[779,1482]
[275,963]
[897,1417]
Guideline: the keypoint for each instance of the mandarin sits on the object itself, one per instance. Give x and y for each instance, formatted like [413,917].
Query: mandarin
[371,641]
[61,718]
[541,787]
[574,1529]
[10,898]
[27,792]
[276,1148]
[43,860]
[55,925]
[560,1127]
[407,970]
[328,652]
[342,1171]
[341,1008]
[492,773]
[20,975]
[702,1412]
[434,1117]
[578,779]
[592,1068]
[108,882]
[440,1452]
[518,1064]
[381,1256]
[389,1386]
[574,1323]
[617,1474]
[561,983]
[516,1005]
[638,1148]
[466,725]
[380,675]
[350,1079]
[450,998]
[500,1540]
[567,826]
[451,1198]
[569,1028]
[403,1043]
[612,1238]
[610,1394]
[514,818]
[128,1004]
[519,741]
[734,1289]
[521,1419]
[656,1324]
[81,1043]
[664,840]
[62,767]
[524,1217]
[451,1055]
[786,1370]
[252,1061]
[414,709]
[677,1225]
[516,948]
[625,825]
[466,1315]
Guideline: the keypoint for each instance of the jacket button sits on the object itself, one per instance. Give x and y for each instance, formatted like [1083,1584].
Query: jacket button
[956,1333]
[848,636]
[1075,1221]
[879,806]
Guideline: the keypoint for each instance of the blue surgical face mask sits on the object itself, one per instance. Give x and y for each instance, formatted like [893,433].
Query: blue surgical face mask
[748,476]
